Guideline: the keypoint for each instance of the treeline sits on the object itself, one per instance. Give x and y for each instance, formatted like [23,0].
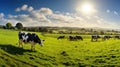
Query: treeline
[19,26]
[8,25]
[88,32]
[37,29]
[60,30]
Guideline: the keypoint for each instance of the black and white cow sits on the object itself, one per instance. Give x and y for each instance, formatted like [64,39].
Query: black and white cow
[75,38]
[72,38]
[79,38]
[117,37]
[106,37]
[95,37]
[32,38]
[61,37]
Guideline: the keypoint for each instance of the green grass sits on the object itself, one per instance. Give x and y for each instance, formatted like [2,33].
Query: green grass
[58,53]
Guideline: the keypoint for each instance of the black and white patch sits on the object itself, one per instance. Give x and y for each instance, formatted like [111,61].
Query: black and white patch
[29,38]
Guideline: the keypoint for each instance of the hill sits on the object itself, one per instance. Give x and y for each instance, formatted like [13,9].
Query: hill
[58,53]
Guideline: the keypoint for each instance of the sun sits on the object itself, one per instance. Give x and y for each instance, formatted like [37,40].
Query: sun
[86,8]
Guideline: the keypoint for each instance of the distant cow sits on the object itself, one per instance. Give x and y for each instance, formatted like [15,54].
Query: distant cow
[106,37]
[74,38]
[29,37]
[117,37]
[95,37]
[79,38]
[61,37]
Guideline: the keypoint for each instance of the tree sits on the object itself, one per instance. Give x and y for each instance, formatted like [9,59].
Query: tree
[43,29]
[102,32]
[50,31]
[8,25]
[19,26]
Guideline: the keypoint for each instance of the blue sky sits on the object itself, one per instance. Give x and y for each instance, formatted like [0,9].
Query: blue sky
[104,13]
[56,5]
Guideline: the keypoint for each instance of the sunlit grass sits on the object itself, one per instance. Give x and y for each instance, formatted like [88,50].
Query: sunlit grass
[58,53]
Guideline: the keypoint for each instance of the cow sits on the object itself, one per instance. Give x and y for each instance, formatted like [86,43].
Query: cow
[32,38]
[106,37]
[61,37]
[79,38]
[95,37]
[117,36]
[72,38]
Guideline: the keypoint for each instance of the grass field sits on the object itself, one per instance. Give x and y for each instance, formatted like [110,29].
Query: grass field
[58,53]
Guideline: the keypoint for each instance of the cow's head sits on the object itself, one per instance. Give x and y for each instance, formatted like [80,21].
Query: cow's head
[41,42]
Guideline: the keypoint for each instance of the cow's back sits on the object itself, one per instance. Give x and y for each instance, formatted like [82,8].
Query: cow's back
[35,38]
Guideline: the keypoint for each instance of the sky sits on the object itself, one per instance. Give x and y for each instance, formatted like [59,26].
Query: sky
[61,13]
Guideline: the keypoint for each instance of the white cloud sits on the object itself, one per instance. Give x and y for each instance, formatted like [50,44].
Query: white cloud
[18,9]
[11,16]
[2,15]
[2,19]
[46,17]
[36,15]
[108,11]
[30,8]
[46,11]
[24,7]
[116,13]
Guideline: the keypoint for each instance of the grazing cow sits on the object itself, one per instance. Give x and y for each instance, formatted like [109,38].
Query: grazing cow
[95,37]
[106,37]
[117,37]
[61,37]
[72,38]
[29,37]
[79,38]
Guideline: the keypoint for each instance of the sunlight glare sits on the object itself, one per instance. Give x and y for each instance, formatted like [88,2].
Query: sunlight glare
[86,8]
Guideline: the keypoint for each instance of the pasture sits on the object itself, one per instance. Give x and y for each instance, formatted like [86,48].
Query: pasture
[58,53]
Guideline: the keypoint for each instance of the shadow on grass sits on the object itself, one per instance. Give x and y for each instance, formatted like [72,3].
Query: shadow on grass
[13,50]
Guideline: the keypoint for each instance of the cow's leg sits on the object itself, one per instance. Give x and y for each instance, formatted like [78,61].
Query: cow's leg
[32,46]
[20,43]
[96,39]
[92,39]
